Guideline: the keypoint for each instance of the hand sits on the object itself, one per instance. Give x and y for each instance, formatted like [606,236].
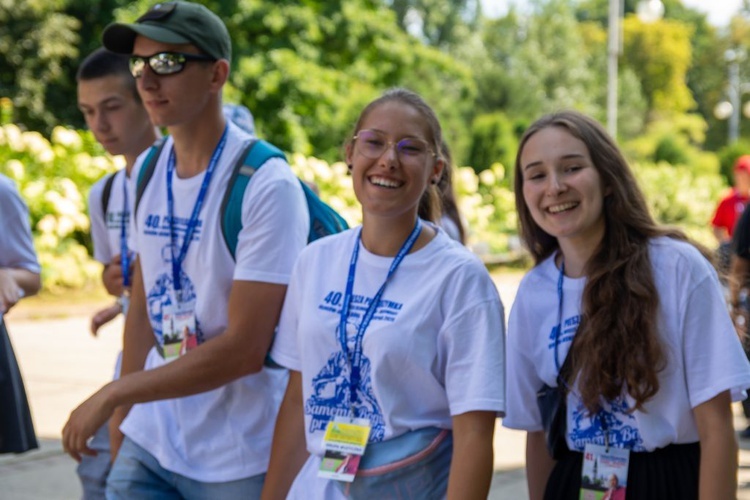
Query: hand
[10,292]
[83,423]
[112,276]
[104,316]
[115,437]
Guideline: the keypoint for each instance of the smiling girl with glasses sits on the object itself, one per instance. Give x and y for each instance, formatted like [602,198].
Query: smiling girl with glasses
[393,331]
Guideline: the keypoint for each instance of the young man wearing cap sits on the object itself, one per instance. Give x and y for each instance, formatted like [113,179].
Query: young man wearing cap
[112,108]
[200,424]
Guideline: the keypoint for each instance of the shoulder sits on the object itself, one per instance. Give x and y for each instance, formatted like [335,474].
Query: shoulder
[7,186]
[681,258]
[540,276]
[330,245]
[9,195]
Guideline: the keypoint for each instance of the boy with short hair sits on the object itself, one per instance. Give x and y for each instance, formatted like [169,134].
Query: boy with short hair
[112,108]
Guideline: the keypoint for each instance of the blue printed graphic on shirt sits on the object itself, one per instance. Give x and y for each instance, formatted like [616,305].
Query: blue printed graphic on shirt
[162,296]
[569,327]
[330,387]
[614,419]
[158,225]
[115,219]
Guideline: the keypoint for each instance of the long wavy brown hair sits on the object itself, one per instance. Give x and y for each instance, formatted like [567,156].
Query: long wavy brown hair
[617,344]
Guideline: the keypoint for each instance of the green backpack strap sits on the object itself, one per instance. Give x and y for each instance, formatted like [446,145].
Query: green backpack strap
[147,170]
[107,193]
[253,156]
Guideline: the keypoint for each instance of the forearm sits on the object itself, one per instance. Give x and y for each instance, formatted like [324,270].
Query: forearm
[718,464]
[472,460]
[288,452]
[539,464]
[28,281]
[240,350]
[213,364]
[718,467]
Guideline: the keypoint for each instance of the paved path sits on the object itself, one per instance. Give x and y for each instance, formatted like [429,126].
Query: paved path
[62,364]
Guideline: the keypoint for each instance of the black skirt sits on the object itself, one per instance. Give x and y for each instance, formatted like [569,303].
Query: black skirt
[16,428]
[670,472]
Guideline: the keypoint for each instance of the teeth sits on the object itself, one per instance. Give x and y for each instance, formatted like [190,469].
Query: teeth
[380,181]
[561,208]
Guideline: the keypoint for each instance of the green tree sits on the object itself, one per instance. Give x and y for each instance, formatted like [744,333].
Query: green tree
[442,23]
[660,54]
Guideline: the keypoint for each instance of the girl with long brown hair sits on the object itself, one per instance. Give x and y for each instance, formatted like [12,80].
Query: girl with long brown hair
[625,318]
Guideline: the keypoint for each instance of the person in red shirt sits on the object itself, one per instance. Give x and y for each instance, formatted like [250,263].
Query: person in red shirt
[729,210]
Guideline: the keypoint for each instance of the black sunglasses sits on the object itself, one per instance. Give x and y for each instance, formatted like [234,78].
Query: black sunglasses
[164,63]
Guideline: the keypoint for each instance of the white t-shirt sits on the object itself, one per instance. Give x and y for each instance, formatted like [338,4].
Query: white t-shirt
[224,434]
[703,354]
[434,348]
[16,244]
[106,228]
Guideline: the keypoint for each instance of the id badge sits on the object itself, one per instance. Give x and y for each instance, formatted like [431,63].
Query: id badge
[124,301]
[178,332]
[345,441]
[605,473]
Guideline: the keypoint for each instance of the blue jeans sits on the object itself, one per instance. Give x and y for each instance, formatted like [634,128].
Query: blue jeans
[137,474]
[93,471]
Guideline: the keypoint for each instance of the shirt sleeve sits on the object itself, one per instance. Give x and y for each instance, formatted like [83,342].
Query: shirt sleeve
[285,349]
[16,243]
[275,225]
[99,235]
[713,357]
[473,343]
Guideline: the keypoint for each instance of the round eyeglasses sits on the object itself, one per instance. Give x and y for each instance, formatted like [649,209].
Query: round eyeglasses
[373,143]
[164,63]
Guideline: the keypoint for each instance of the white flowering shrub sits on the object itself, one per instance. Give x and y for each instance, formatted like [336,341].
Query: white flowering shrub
[54,177]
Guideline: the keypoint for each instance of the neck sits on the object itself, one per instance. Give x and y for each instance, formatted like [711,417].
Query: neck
[385,236]
[194,143]
[146,142]
[576,257]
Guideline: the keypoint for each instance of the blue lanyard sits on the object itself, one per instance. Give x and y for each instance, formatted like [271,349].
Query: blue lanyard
[124,255]
[193,222]
[355,357]
[559,313]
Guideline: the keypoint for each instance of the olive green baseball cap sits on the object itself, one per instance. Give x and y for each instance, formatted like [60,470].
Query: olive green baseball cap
[173,22]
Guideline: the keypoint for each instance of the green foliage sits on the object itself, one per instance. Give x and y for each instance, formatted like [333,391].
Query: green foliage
[662,72]
[54,177]
[681,198]
[493,141]
[728,156]
[442,23]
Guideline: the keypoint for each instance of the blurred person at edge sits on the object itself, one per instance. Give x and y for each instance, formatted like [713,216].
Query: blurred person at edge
[729,210]
[19,277]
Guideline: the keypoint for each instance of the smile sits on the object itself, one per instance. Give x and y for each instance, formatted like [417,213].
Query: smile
[556,209]
[383,182]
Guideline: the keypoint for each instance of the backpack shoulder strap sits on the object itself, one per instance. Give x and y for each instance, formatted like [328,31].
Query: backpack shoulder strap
[147,170]
[253,156]
[107,192]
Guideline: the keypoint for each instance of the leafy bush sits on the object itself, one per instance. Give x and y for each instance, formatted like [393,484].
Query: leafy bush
[492,140]
[54,177]
[728,156]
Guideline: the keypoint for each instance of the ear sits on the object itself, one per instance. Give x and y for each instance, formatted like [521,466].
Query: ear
[349,156]
[437,170]
[220,75]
